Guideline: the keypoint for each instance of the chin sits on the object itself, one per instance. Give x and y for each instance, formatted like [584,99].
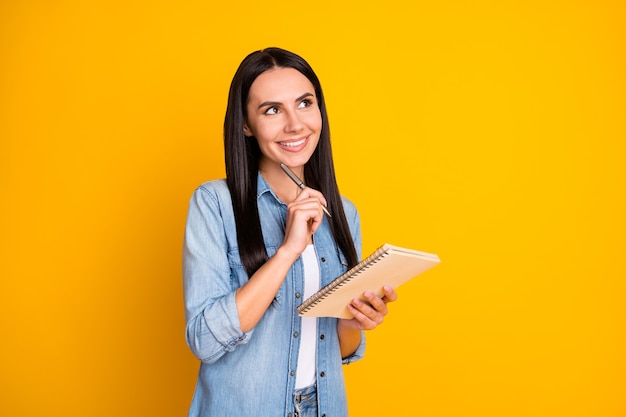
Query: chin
[295,161]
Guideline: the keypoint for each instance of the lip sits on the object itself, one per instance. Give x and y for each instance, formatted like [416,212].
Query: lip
[294,145]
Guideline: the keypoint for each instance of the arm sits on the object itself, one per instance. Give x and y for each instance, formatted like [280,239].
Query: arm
[219,315]
[304,216]
[367,316]
[208,282]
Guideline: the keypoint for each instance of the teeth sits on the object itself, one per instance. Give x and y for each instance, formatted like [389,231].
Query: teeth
[293,144]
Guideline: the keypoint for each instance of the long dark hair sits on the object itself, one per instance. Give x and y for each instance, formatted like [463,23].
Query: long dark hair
[242,160]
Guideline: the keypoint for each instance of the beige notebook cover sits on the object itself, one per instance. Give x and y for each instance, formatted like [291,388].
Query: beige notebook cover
[388,265]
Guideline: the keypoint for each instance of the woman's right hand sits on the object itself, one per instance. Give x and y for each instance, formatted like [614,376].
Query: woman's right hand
[304,216]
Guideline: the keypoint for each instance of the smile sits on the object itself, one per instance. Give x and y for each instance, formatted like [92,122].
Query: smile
[293,144]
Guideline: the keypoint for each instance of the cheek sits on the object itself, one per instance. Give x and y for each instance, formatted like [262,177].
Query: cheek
[314,120]
[264,131]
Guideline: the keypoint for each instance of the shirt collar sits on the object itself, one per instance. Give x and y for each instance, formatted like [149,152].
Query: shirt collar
[263,187]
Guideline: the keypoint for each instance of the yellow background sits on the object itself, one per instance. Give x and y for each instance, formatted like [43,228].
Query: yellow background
[490,132]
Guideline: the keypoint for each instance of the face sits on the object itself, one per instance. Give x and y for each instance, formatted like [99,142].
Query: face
[284,117]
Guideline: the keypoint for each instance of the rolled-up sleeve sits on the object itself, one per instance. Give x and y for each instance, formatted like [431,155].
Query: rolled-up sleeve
[213,327]
[358,353]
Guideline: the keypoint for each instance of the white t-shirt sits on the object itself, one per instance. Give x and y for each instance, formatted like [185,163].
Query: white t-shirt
[305,373]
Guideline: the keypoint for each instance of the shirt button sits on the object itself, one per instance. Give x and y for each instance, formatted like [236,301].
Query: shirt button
[296,334]
[292,373]
[322,374]
[322,336]
[323,259]
[298,295]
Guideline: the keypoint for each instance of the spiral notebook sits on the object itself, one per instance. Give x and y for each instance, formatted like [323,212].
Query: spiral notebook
[388,265]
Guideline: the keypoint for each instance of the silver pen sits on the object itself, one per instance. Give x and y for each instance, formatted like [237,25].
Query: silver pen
[299,183]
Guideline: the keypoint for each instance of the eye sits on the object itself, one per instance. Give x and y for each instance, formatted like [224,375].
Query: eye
[271,110]
[305,103]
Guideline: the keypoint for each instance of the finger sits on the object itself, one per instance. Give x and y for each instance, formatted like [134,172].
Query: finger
[302,221]
[305,210]
[390,294]
[309,211]
[312,193]
[376,302]
[364,322]
[369,316]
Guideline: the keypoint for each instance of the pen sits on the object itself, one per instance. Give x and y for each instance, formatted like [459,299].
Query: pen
[299,183]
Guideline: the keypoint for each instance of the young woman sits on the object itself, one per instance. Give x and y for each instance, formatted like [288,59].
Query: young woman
[256,246]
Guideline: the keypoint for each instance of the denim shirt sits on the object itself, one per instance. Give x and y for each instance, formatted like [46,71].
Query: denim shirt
[254,373]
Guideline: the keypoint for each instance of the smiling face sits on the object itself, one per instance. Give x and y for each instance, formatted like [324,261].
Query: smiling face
[284,116]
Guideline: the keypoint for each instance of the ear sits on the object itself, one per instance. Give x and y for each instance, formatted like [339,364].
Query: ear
[247,131]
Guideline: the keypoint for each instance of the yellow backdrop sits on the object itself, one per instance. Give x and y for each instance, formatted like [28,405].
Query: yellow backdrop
[490,132]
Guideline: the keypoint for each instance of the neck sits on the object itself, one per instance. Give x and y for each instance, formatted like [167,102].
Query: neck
[282,185]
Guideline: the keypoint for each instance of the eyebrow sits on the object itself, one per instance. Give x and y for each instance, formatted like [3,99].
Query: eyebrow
[277,103]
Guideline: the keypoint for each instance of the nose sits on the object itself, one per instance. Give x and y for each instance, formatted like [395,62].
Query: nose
[293,123]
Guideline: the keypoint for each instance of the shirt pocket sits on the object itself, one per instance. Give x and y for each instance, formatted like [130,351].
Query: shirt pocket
[342,261]
[238,274]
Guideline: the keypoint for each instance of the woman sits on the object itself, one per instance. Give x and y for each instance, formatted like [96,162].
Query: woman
[256,246]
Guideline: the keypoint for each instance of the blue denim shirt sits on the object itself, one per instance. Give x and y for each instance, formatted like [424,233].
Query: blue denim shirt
[254,373]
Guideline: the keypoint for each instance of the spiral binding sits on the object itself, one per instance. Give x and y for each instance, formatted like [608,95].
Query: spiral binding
[345,278]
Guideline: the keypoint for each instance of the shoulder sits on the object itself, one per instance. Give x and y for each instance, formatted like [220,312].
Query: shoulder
[349,208]
[354,223]
[218,189]
[214,186]
[211,204]
[214,194]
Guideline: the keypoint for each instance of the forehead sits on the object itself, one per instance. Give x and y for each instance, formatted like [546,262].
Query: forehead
[279,84]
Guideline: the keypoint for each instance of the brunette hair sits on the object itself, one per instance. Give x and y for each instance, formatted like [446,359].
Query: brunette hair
[242,160]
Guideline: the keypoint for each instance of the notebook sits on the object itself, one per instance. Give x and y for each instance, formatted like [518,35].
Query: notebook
[388,265]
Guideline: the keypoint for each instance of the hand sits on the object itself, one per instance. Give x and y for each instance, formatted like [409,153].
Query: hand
[369,314]
[304,216]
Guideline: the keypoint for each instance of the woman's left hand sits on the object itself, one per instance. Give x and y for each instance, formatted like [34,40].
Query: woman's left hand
[371,312]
